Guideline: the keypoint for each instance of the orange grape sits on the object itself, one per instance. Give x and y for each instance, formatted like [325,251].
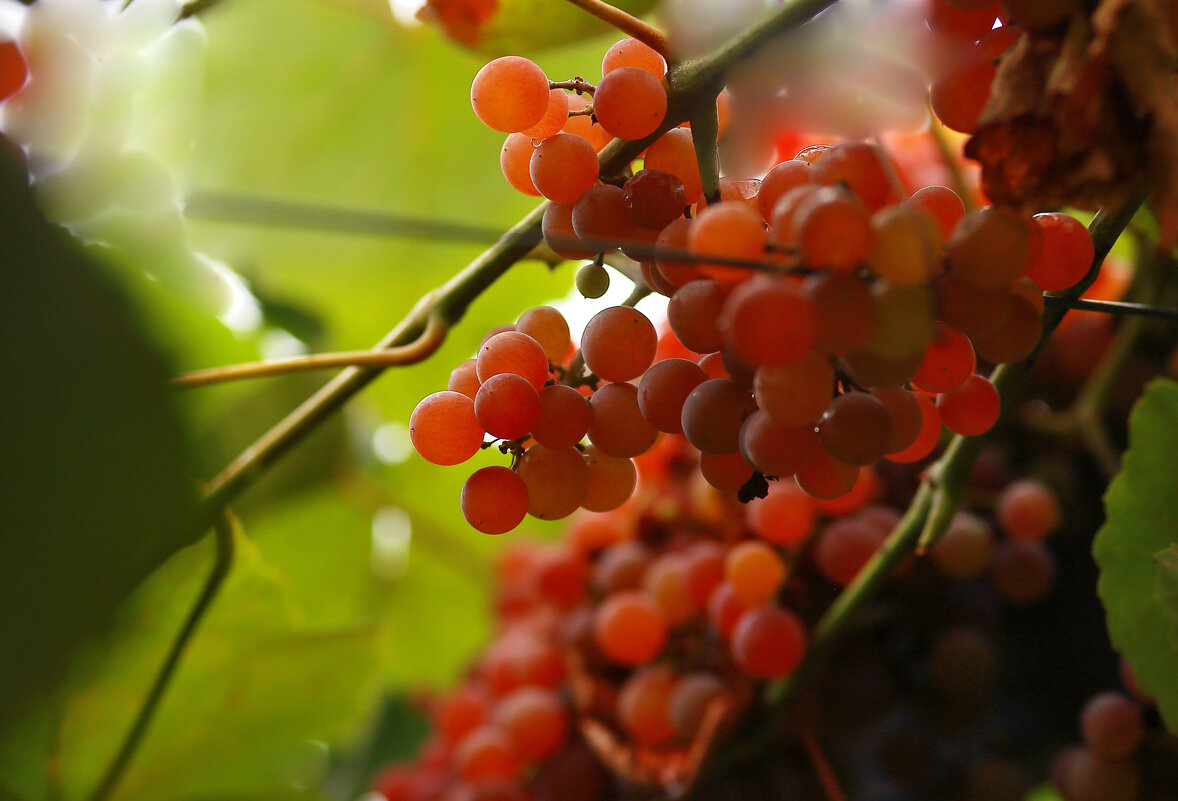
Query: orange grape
[510,94]
[443,428]
[494,500]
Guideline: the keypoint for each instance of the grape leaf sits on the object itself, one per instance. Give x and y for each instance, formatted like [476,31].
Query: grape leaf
[98,488]
[1136,548]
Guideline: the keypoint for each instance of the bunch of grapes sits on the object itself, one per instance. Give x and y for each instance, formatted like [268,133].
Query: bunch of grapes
[632,646]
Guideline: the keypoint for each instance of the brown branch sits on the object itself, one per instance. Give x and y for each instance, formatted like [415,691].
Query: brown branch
[628,24]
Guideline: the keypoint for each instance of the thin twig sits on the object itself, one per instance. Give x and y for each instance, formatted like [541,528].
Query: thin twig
[223,530]
[628,24]
[826,776]
[577,84]
[1113,307]
[421,348]
[191,9]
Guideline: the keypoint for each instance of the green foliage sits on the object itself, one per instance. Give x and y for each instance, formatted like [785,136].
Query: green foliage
[527,26]
[97,488]
[1136,549]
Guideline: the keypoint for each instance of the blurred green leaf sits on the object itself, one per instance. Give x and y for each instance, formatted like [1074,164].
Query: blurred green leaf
[98,488]
[1133,546]
[251,710]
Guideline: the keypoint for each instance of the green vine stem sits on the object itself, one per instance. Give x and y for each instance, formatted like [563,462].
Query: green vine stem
[705,131]
[628,24]
[420,349]
[224,561]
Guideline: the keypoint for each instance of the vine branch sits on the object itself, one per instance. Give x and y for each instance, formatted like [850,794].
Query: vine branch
[122,759]
[628,24]
[421,348]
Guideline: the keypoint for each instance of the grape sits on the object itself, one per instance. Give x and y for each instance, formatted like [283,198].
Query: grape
[611,481]
[870,369]
[629,628]
[583,126]
[561,575]
[1112,725]
[775,448]
[487,753]
[563,167]
[811,154]
[443,428]
[507,406]
[494,500]
[832,229]
[663,390]
[1028,511]
[509,94]
[515,160]
[769,642]
[592,280]
[619,343]
[755,571]
[713,415]
[927,439]
[725,608]
[654,279]
[536,719]
[972,310]
[704,567]
[694,313]
[457,714]
[905,246]
[555,116]
[547,326]
[989,248]
[826,479]
[768,321]
[621,567]
[726,472]
[941,204]
[670,244]
[784,517]
[616,424]
[1083,775]
[559,235]
[644,705]
[959,96]
[633,53]
[589,535]
[654,199]
[690,701]
[972,408]
[844,547]
[856,429]
[564,417]
[862,168]
[674,152]
[846,312]
[785,176]
[1024,572]
[723,231]
[557,480]
[666,583]
[962,667]
[630,103]
[1018,336]
[513,352]
[966,549]
[600,219]
[465,379]
[796,394]
[783,231]
[904,410]
[906,323]
[948,361]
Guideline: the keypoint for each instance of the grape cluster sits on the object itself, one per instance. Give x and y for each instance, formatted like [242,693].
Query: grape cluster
[628,648]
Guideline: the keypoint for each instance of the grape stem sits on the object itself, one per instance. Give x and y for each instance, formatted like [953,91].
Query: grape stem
[420,349]
[628,24]
[576,84]
[822,767]
[705,132]
[221,565]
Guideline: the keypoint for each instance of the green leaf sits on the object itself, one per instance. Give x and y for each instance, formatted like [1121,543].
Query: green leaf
[528,26]
[1136,549]
[98,489]
[252,711]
